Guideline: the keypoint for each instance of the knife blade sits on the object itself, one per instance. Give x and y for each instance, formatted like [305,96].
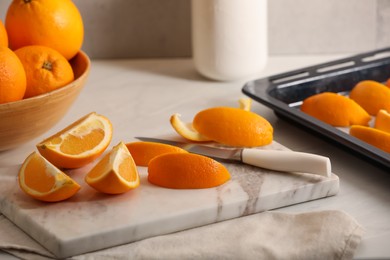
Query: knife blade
[285,161]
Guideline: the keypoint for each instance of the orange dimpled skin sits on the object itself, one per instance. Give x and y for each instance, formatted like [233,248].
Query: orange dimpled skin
[186,171]
[373,136]
[372,96]
[54,23]
[335,109]
[12,76]
[233,126]
[46,69]
[143,152]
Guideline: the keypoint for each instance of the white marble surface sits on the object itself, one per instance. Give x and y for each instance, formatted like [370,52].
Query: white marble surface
[91,221]
[140,95]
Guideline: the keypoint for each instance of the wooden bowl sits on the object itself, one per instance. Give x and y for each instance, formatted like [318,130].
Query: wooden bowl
[23,120]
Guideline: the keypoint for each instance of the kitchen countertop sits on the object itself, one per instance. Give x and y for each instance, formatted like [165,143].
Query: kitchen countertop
[142,94]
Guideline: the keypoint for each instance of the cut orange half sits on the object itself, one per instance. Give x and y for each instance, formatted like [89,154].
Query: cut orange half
[115,173]
[382,121]
[78,144]
[43,181]
[143,152]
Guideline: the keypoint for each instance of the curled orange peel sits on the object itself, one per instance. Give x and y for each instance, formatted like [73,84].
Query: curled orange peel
[186,130]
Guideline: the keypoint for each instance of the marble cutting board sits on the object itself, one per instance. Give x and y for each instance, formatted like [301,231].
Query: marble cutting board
[91,221]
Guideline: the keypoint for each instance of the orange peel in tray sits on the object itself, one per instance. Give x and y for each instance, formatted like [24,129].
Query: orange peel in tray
[43,181]
[78,144]
[186,171]
[373,136]
[115,173]
[382,121]
[372,96]
[335,109]
[143,152]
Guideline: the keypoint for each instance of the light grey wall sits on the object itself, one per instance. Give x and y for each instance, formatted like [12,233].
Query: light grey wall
[162,28]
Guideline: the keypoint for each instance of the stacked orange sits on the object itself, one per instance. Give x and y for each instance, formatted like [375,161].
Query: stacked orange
[44,35]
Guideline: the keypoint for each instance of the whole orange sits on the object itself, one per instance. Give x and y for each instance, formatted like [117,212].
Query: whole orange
[3,35]
[46,69]
[12,76]
[54,23]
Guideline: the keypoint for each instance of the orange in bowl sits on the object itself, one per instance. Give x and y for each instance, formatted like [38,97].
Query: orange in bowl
[3,35]
[372,96]
[46,69]
[24,120]
[334,109]
[12,77]
[57,24]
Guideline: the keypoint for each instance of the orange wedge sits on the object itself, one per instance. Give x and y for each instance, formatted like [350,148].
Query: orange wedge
[372,96]
[115,173]
[186,171]
[335,109]
[382,121]
[78,144]
[373,136]
[43,181]
[143,152]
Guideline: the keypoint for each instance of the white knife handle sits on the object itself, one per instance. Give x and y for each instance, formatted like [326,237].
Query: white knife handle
[287,161]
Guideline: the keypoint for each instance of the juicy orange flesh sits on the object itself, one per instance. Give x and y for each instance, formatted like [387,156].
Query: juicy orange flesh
[34,173]
[126,171]
[74,145]
[99,168]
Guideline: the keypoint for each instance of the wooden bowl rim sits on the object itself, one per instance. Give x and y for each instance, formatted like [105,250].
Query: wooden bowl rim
[32,100]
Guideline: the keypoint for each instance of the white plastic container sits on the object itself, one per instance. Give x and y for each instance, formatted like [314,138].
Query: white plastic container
[229,38]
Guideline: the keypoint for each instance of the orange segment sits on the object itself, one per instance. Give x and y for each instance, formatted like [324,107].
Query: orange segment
[375,137]
[115,173]
[186,130]
[43,181]
[334,109]
[143,152]
[186,171]
[233,126]
[382,121]
[372,96]
[78,144]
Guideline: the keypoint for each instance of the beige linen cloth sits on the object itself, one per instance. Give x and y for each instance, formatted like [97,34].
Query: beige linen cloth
[269,235]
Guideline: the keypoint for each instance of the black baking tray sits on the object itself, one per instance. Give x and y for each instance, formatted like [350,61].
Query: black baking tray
[285,92]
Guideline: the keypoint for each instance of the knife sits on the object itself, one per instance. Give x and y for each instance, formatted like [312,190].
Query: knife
[285,161]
